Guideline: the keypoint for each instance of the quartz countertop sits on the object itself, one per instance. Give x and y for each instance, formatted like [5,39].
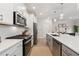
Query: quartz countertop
[7,43]
[70,41]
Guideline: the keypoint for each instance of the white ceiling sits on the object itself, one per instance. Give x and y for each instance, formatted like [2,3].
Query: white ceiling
[70,10]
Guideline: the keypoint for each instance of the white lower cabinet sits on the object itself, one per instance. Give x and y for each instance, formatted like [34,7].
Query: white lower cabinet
[15,50]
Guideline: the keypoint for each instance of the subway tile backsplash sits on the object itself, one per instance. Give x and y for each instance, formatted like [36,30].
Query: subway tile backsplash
[7,31]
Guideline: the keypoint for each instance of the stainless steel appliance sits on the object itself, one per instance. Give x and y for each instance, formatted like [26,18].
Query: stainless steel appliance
[35,33]
[19,19]
[26,42]
[27,47]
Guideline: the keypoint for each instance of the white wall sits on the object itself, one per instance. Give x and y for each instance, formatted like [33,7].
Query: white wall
[76,22]
[44,26]
[30,22]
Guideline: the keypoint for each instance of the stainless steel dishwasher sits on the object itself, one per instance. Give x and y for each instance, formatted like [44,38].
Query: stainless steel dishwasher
[26,42]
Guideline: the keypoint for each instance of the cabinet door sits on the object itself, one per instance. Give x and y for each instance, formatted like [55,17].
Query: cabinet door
[47,38]
[14,53]
[56,48]
[4,54]
[15,50]
[63,53]
[68,51]
[1,54]
[51,44]
[6,10]
[19,49]
[8,51]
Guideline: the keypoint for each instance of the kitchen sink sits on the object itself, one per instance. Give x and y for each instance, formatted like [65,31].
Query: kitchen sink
[54,34]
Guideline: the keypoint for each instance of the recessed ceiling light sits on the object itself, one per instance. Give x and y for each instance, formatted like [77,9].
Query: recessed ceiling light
[34,7]
[61,14]
[55,20]
[41,13]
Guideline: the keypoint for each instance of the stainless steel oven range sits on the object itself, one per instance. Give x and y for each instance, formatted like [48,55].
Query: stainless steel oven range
[26,42]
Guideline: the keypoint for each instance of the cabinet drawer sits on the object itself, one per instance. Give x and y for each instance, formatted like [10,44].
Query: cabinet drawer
[13,48]
[68,51]
[2,54]
[18,45]
[11,51]
[63,53]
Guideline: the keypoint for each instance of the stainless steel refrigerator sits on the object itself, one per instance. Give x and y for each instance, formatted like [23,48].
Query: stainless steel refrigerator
[35,32]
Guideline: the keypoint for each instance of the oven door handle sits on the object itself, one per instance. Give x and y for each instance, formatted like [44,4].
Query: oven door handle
[27,41]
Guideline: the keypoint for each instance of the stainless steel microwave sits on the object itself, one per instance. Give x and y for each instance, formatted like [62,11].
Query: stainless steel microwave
[19,19]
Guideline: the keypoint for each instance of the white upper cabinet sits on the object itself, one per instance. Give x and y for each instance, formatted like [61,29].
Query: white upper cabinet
[6,14]
[6,11]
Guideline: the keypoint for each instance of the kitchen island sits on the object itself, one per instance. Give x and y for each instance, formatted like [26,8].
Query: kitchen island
[70,42]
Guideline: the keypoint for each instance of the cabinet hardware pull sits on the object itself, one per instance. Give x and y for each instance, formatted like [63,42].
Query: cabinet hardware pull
[7,54]
[14,55]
